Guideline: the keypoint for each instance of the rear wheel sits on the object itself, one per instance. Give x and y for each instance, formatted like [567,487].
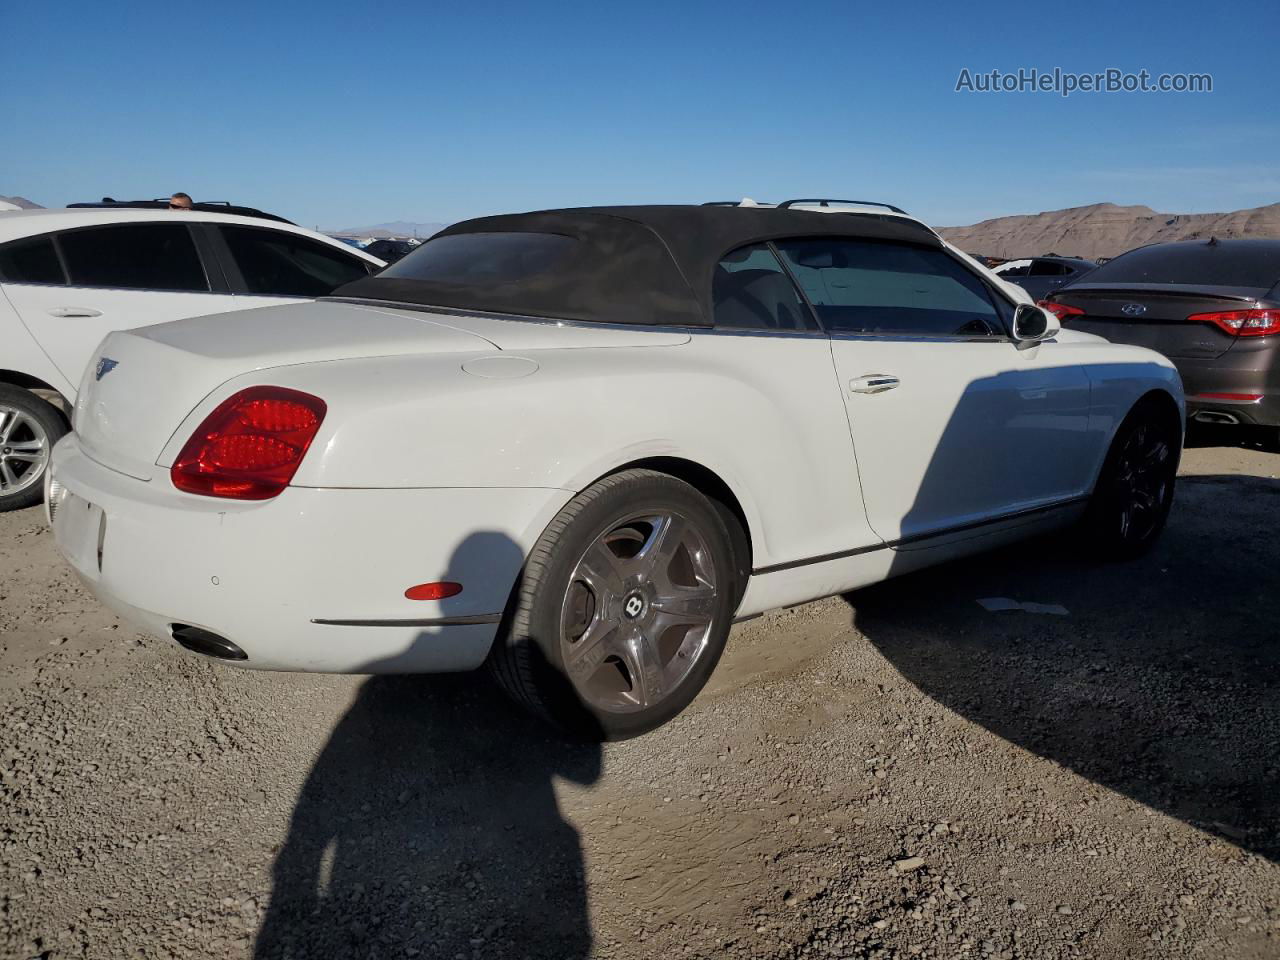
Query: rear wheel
[29,427]
[1131,502]
[624,608]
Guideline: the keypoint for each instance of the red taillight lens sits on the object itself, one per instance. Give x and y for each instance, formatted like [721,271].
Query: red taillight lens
[250,447]
[1242,323]
[1060,310]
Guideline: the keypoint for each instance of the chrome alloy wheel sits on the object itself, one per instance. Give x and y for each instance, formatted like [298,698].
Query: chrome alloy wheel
[24,450]
[638,612]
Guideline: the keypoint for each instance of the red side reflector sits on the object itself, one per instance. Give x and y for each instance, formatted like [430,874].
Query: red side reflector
[1242,323]
[434,591]
[1060,310]
[1239,397]
[250,446]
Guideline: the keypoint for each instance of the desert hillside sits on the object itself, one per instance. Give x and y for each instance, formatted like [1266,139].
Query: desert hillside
[1105,230]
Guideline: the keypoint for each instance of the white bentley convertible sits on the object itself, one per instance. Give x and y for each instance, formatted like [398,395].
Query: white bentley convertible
[578,444]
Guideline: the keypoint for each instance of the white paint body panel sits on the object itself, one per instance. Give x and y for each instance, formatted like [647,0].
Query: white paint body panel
[431,455]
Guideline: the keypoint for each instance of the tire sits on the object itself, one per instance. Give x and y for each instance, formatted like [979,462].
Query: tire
[1131,500]
[623,608]
[29,427]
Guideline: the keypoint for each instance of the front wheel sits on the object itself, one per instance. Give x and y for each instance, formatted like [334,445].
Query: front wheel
[1131,502]
[29,427]
[623,610]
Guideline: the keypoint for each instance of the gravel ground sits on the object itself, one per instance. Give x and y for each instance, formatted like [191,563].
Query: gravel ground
[898,773]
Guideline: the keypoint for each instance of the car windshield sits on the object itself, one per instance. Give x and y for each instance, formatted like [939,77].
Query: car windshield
[1198,262]
[473,259]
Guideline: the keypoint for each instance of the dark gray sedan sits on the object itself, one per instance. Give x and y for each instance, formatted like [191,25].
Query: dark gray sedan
[1211,306]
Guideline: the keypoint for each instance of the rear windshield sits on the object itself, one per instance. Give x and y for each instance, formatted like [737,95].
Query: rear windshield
[474,259]
[1196,262]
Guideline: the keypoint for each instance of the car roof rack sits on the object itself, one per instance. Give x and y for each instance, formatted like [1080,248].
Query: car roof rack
[827,201]
[204,206]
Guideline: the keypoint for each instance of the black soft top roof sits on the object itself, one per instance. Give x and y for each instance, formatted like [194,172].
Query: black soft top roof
[649,265]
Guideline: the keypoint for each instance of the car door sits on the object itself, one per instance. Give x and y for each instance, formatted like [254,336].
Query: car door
[111,277]
[953,423]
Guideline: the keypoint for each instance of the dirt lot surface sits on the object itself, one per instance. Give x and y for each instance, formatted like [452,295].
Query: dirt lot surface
[899,773]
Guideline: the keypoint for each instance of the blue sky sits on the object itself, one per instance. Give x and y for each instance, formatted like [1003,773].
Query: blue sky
[344,114]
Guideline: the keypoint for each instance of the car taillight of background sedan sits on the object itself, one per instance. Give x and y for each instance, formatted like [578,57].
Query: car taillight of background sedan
[1060,310]
[1242,323]
[251,445]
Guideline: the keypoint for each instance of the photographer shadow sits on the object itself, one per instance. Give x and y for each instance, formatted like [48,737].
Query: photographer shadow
[429,825]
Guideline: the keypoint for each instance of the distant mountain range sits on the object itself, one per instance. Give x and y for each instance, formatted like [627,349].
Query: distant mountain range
[1105,230]
[397,228]
[22,203]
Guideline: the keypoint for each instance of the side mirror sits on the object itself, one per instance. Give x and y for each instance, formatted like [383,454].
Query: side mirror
[1032,323]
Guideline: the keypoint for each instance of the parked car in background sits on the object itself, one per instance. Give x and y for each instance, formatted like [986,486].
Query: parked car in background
[1040,276]
[576,444]
[69,277]
[1211,306]
[389,250]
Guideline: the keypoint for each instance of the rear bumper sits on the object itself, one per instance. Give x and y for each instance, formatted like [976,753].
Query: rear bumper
[1251,373]
[266,576]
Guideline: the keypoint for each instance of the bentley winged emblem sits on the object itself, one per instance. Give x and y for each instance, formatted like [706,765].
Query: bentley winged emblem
[105,366]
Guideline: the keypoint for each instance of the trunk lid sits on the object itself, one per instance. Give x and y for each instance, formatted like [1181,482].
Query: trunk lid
[1155,315]
[141,384]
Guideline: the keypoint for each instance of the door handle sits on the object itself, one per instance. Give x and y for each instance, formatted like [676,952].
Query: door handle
[873,383]
[74,312]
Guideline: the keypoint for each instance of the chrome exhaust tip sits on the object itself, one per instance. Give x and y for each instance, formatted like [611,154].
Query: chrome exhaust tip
[1215,416]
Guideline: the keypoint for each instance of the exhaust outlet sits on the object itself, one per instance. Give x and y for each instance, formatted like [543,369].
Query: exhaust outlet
[205,643]
[1216,416]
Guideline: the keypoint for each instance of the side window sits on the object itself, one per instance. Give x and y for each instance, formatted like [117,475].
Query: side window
[1048,268]
[142,256]
[282,264]
[751,291]
[31,261]
[1018,270]
[868,286]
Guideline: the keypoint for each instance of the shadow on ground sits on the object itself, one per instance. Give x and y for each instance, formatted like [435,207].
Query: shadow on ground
[1262,439]
[1163,683]
[429,827]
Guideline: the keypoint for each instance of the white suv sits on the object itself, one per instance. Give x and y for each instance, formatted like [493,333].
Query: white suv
[69,277]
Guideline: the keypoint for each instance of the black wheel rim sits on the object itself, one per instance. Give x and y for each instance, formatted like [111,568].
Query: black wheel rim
[1143,480]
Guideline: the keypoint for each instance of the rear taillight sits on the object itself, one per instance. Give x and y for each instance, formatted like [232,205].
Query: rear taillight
[1060,310]
[1242,323]
[250,447]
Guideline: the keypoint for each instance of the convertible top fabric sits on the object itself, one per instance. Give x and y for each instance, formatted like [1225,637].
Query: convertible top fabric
[650,265]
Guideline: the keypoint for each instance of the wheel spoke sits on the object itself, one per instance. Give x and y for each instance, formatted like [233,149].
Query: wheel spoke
[588,652]
[32,451]
[640,655]
[602,570]
[7,477]
[658,550]
[691,605]
[8,420]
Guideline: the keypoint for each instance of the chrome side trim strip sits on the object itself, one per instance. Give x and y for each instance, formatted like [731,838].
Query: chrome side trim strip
[920,537]
[471,621]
